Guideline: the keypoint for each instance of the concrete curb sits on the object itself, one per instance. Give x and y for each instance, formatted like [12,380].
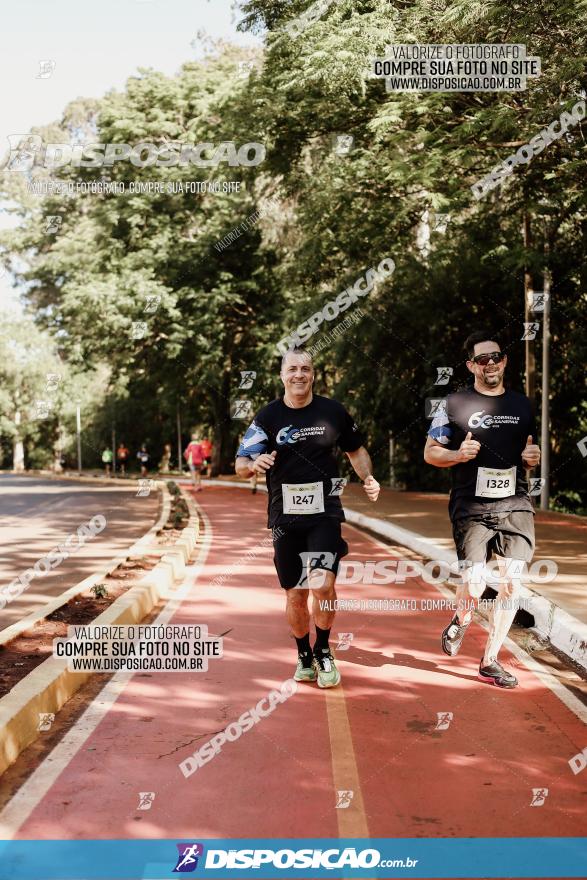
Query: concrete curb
[50,685]
[562,630]
[99,478]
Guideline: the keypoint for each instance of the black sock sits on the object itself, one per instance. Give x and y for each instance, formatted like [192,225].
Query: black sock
[321,640]
[304,649]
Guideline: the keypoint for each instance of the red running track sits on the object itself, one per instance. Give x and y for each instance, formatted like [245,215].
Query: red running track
[376,736]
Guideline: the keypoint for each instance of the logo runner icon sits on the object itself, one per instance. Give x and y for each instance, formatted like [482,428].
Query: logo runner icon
[539,796]
[187,861]
[313,560]
[338,484]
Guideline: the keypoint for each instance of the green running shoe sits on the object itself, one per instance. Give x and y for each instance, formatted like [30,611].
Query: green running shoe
[303,672]
[328,674]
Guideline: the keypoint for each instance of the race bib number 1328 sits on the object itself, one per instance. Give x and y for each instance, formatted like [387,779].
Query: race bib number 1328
[494,483]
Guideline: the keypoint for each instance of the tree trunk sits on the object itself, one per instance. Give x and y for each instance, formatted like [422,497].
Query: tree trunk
[18,447]
[223,455]
[57,451]
[529,317]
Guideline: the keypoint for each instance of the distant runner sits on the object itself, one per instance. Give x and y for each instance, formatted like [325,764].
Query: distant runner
[165,463]
[143,457]
[487,436]
[107,460]
[292,441]
[194,456]
[207,453]
[122,455]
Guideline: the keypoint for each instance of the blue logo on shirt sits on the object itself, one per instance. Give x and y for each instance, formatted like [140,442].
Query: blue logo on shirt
[288,435]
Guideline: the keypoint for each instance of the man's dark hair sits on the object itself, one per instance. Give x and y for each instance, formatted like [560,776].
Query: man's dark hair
[480,336]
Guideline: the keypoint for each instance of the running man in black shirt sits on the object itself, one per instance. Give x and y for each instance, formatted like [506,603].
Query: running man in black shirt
[486,435]
[291,441]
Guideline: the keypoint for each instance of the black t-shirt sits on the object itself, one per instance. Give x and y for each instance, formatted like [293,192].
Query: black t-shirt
[305,440]
[501,423]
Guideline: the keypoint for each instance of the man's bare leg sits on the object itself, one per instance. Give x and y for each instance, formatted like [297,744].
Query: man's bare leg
[298,618]
[505,606]
[322,584]
[297,612]
[323,590]
[469,591]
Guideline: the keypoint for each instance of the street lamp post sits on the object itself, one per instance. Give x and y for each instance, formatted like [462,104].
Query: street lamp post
[79,437]
[528,288]
[545,416]
[179,467]
[392,481]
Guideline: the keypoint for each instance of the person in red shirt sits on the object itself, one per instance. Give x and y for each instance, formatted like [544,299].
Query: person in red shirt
[207,453]
[122,455]
[194,456]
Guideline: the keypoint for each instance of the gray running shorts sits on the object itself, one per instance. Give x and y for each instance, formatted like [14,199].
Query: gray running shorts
[509,534]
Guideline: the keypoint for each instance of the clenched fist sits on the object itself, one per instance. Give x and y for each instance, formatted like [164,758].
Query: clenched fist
[371,487]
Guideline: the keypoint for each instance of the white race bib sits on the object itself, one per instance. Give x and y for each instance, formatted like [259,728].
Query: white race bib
[492,483]
[303,498]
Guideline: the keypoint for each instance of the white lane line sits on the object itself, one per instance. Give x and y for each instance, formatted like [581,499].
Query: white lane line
[547,678]
[20,807]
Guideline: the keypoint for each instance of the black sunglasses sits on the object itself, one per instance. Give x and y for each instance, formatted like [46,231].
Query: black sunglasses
[483,359]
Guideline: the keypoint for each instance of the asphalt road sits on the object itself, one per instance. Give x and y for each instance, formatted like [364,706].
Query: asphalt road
[37,514]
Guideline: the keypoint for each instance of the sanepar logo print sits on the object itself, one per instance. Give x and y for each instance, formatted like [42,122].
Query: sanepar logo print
[287,435]
[478,420]
[291,434]
[187,860]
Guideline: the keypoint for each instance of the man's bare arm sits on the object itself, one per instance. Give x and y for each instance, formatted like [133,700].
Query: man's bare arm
[361,462]
[246,467]
[438,455]
[243,466]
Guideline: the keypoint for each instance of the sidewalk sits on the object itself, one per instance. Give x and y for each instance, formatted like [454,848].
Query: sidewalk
[559,537]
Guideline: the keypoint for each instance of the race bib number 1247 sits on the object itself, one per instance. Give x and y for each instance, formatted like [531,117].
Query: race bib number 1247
[303,498]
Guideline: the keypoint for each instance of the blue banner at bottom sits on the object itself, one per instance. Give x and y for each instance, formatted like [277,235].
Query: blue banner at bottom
[273,859]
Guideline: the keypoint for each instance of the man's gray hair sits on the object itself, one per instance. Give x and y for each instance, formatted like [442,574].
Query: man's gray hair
[297,351]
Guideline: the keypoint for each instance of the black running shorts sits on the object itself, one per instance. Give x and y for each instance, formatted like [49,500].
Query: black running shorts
[318,543]
[509,534]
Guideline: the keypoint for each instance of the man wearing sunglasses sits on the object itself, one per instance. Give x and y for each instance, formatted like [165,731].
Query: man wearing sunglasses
[485,434]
